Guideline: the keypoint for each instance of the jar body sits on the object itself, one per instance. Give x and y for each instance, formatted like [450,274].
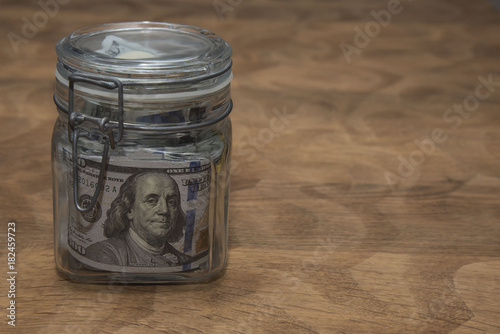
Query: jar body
[141,152]
[186,176]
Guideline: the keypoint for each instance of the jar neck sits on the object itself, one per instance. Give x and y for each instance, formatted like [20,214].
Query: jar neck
[194,130]
[89,132]
[141,100]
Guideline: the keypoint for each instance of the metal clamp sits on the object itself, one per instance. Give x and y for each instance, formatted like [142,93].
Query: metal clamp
[75,118]
[89,206]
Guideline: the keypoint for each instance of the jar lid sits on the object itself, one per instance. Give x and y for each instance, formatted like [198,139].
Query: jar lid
[152,52]
[143,76]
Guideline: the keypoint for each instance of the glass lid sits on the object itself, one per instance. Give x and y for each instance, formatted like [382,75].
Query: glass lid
[146,50]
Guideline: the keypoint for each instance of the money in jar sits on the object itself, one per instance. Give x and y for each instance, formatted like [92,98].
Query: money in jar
[141,153]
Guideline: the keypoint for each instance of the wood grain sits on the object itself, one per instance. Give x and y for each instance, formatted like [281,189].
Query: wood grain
[319,242]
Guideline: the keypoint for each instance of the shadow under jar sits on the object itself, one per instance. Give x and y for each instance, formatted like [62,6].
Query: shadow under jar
[141,153]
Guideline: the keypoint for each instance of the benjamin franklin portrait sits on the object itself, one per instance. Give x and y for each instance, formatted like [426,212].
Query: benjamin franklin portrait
[142,223]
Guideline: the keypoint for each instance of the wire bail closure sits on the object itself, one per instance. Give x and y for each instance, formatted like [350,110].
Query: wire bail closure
[76,118]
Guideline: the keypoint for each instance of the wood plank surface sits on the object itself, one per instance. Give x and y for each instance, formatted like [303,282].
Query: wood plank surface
[373,207]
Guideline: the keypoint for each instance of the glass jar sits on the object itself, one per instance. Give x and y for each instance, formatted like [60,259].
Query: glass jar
[141,153]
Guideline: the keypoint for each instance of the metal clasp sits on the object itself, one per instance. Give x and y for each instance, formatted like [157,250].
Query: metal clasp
[75,118]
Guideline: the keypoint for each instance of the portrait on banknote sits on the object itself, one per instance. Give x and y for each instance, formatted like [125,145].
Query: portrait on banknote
[151,216]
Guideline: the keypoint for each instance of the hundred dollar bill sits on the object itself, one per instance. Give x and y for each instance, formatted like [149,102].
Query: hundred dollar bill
[152,215]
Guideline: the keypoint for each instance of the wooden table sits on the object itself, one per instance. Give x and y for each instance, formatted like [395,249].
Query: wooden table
[372,208]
